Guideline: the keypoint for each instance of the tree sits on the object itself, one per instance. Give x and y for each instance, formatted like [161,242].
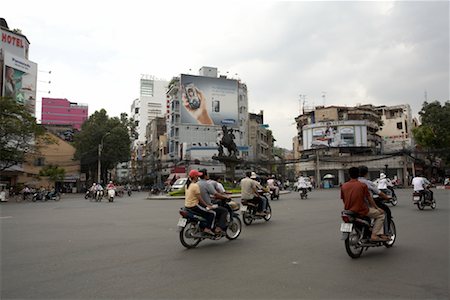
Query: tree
[53,172]
[434,132]
[18,130]
[113,132]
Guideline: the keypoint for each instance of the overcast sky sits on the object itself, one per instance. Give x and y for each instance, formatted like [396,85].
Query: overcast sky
[381,53]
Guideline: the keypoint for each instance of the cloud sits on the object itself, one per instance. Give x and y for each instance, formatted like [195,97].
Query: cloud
[357,52]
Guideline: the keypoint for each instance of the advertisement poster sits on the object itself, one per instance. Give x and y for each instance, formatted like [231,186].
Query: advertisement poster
[19,81]
[209,101]
[333,136]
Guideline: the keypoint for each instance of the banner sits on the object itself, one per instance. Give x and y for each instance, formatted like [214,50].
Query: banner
[209,101]
[19,81]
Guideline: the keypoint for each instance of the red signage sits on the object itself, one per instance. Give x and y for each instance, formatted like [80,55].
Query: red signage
[12,40]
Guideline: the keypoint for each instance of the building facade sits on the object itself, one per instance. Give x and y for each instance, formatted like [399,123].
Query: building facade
[57,111]
[261,142]
[198,108]
[332,139]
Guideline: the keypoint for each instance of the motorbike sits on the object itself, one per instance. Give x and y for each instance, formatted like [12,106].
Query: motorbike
[89,195]
[190,226]
[392,196]
[422,199]
[303,193]
[274,194]
[249,211]
[98,195]
[111,194]
[53,195]
[38,196]
[356,231]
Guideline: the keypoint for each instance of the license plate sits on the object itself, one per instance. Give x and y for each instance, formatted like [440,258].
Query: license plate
[244,208]
[346,227]
[182,222]
[416,198]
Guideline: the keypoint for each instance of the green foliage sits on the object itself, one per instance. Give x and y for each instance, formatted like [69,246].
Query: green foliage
[18,129]
[113,132]
[53,172]
[434,132]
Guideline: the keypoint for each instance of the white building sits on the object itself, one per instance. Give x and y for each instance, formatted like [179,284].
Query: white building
[150,104]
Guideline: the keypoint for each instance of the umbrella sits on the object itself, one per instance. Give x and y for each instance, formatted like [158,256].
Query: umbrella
[328,176]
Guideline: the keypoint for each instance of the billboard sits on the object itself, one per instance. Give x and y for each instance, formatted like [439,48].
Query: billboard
[335,134]
[19,81]
[209,101]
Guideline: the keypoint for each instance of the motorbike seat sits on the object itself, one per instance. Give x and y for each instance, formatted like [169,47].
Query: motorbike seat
[187,213]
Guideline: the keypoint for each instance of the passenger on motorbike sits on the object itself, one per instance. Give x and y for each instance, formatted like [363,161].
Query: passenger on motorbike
[363,177]
[195,203]
[249,192]
[272,185]
[207,190]
[385,184]
[421,184]
[357,198]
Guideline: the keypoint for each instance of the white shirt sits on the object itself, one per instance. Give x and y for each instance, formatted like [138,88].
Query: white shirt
[384,183]
[271,183]
[302,182]
[418,183]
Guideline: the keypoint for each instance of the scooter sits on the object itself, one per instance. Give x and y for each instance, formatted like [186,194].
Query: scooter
[111,194]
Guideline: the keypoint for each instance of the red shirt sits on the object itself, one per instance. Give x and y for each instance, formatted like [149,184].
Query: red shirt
[353,194]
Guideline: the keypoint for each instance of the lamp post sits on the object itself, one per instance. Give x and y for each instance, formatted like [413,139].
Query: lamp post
[99,165]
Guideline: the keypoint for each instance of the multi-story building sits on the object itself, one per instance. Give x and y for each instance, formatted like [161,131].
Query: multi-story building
[198,108]
[396,131]
[20,74]
[261,141]
[156,131]
[331,139]
[57,111]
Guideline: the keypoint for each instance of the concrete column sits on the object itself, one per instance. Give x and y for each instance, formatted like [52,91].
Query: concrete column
[341,176]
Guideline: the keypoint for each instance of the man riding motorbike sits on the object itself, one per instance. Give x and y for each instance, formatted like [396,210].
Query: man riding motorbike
[249,192]
[385,185]
[273,186]
[421,184]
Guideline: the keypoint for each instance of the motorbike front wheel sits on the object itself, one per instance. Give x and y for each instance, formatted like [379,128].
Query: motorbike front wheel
[351,243]
[433,204]
[247,218]
[393,234]
[394,201]
[187,233]
[420,205]
[234,228]
[57,197]
[268,215]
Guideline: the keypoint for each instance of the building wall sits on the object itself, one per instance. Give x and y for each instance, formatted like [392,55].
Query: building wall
[396,131]
[57,111]
[59,153]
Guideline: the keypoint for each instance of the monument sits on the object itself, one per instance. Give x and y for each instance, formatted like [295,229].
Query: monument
[225,141]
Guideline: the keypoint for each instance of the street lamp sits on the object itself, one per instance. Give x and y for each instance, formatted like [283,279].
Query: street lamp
[99,165]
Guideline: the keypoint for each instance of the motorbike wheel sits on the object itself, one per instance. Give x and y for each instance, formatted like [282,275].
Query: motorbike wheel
[268,216]
[111,199]
[86,196]
[420,205]
[247,218]
[394,201]
[34,199]
[433,204]
[351,243]
[186,235]
[234,228]
[57,198]
[393,233]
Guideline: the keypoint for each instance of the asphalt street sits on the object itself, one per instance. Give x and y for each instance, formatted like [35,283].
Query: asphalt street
[77,249]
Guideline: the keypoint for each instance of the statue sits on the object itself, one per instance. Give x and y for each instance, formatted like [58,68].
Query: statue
[227,141]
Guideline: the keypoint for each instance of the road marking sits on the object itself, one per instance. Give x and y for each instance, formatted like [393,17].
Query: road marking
[7,217]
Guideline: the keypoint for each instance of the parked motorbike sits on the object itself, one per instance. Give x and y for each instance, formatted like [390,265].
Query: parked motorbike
[111,194]
[422,199]
[53,195]
[303,193]
[356,231]
[190,226]
[38,196]
[249,211]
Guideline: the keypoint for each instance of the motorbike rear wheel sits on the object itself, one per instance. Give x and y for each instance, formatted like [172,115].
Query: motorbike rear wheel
[393,233]
[351,243]
[433,204]
[186,235]
[420,205]
[234,228]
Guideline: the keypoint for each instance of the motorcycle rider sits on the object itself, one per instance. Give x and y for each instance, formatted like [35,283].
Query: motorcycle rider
[272,185]
[420,184]
[385,184]
[301,184]
[98,189]
[363,177]
[207,190]
[356,197]
[249,192]
[194,202]
[110,186]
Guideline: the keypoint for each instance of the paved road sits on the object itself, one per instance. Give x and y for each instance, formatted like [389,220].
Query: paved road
[130,249]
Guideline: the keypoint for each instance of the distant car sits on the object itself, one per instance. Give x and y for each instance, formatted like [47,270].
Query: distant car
[179,184]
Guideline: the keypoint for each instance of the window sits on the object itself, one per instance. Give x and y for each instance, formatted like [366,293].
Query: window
[39,162]
[399,125]
[136,110]
[136,123]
